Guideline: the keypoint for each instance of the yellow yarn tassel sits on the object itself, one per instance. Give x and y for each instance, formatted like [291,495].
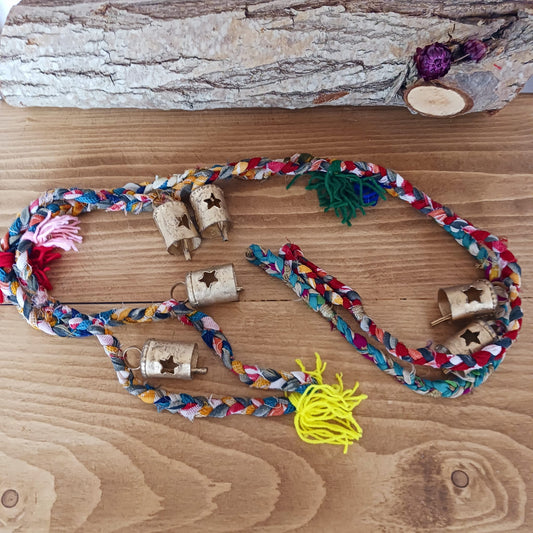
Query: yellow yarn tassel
[324,412]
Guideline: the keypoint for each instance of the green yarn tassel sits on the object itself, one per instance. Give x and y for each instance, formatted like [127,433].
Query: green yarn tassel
[335,190]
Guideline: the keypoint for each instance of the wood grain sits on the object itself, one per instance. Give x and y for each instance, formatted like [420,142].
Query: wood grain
[83,455]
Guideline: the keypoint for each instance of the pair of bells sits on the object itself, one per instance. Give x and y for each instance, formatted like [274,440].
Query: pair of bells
[478,299]
[179,229]
[179,360]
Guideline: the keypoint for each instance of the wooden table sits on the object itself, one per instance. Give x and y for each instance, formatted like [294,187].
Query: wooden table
[83,454]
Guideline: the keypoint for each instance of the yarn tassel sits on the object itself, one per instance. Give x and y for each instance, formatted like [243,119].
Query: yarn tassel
[6,262]
[56,232]
[38,259]
[324,412]
[343,192]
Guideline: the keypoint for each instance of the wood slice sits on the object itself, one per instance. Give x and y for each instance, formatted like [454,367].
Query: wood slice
[258,53]
[434,99]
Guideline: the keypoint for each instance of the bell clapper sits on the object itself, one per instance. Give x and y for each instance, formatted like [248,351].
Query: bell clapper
[186,252]
[441,319]
[223,230]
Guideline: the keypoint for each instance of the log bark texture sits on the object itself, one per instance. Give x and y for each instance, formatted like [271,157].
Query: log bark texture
[255,53]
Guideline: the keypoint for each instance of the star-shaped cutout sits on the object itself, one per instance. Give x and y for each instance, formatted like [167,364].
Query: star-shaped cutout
[473,295]
[212,201]
[470,337]
[168,365]
[209,278]
[184,222]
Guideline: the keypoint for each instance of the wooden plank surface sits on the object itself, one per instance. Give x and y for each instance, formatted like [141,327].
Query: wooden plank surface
[83,454]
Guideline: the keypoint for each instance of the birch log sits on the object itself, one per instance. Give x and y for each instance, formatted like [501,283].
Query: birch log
[254,53]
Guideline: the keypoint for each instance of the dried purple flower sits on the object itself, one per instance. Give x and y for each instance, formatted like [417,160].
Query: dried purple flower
[433,61]
[474,49]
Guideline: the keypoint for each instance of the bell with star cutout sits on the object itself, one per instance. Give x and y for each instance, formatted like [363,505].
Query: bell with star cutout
[212,285]
[177,228]
[470,339]
[467,301]
[211,211]
[165,359]
[208,286]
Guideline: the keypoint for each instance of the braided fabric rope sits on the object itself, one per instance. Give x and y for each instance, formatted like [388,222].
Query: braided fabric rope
[28,291]
[25,289]
[292,268]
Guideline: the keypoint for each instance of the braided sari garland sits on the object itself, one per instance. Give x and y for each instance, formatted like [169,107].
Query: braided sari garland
[51,222]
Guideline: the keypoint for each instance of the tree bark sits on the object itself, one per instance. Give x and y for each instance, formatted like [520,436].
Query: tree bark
[258,53]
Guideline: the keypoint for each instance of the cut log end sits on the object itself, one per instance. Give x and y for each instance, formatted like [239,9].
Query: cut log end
[437,100]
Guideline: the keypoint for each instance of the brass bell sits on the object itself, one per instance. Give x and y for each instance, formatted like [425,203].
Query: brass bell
[164,359]
[211,211]
[177,228]
[466,301]
[470,339]
[213,285]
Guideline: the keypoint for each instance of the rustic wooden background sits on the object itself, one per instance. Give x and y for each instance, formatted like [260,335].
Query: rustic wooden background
[81,453]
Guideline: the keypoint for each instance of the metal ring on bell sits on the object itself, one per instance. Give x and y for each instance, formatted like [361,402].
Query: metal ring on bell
[174,287]
[125,357]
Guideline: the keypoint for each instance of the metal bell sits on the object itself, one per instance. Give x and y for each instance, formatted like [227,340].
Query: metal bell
[211,211]
[177,228]
[470,339]
[466,301]
[213,285]
[164,359]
